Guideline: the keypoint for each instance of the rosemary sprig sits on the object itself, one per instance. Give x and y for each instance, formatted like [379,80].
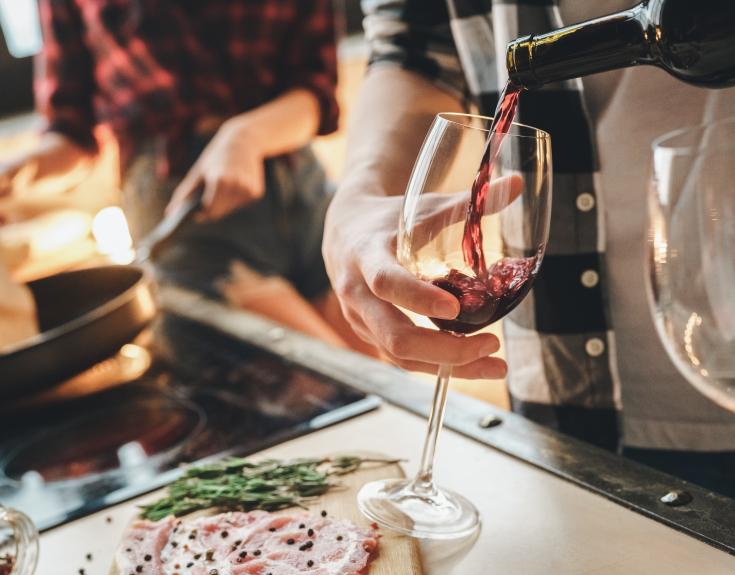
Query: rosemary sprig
[239,484]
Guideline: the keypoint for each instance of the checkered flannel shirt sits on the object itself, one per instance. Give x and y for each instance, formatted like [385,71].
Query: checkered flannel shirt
[156,67]
[560,344]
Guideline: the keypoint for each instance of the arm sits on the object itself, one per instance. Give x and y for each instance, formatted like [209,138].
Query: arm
[64,89]
[231,167]
[393,112]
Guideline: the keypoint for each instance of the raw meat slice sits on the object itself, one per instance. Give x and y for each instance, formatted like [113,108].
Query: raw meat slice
[255,543]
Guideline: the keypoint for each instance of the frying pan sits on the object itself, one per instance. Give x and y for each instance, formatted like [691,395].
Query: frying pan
[85,316]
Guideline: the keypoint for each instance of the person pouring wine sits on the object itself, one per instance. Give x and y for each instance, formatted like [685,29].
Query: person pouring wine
[583,354]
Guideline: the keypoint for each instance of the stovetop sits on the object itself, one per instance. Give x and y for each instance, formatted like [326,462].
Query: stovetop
[205,394]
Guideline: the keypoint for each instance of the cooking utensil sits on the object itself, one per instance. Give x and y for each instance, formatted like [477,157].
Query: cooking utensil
[85,316]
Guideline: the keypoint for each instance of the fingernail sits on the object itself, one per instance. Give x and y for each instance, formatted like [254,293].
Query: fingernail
[445,310]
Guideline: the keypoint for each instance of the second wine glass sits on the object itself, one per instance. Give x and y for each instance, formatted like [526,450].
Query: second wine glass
[487,254]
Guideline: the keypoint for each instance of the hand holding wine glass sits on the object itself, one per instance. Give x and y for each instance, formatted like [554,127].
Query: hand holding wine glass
[482,240]
[360,256]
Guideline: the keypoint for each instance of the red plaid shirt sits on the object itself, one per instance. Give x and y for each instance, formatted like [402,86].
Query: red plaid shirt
[157,67]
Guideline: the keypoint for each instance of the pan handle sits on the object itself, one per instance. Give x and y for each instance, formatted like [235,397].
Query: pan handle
[168,226]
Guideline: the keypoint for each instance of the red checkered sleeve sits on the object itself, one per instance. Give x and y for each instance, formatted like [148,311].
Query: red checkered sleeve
[64,83]
[312,59]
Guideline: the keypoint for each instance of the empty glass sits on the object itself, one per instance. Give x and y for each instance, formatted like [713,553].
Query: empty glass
[691,255]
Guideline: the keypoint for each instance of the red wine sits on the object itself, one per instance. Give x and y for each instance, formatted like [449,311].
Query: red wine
[484,301]
[505,113]
[492,293]
[693,40]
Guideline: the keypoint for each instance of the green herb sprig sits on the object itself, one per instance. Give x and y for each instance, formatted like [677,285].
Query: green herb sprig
[239,484]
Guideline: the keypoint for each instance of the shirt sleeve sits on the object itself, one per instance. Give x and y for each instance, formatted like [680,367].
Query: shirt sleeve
[312,59]
[64,84]
[415,35]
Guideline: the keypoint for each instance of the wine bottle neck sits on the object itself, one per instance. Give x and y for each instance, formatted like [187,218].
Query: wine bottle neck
[615,41]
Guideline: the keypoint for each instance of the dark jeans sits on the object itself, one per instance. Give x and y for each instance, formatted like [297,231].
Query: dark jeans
[714,471]
[279,234]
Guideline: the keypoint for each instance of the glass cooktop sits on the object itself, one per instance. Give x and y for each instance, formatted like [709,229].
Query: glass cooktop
[205,394]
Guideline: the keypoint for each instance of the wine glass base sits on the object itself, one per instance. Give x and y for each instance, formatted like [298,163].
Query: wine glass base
[434,514]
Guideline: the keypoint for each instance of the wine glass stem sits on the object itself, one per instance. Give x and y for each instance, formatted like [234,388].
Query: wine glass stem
[424,481]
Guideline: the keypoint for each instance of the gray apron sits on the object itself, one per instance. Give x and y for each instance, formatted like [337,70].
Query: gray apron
[280,234]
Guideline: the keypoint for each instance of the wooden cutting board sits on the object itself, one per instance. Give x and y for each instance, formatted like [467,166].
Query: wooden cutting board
[397,554]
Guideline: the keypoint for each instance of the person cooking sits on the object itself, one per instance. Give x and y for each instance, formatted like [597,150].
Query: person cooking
[583,355]
[219,95]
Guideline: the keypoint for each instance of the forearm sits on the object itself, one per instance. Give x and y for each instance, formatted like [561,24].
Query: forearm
[281,125]
[392,114]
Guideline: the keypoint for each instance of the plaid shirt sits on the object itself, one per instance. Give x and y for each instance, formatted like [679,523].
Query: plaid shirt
[152,67]
[561,363]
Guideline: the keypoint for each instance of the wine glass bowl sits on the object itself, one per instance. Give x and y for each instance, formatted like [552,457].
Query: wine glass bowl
[691,254]
[481,239]
[512,225]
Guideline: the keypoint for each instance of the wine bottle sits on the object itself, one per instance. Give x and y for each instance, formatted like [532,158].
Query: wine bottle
[694,40]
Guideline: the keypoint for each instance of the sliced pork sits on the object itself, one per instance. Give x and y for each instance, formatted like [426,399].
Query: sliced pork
[257,543]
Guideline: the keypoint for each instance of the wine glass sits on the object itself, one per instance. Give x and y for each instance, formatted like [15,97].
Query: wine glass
[691,254]
[509,234]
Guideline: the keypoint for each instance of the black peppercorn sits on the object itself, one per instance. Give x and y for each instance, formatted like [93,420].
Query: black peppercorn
[301,526]
[309,563]
[225,535]
[339,538]
[256,552]
[310,533]
[243,554]
[148,557]
[209,555]
[324,513]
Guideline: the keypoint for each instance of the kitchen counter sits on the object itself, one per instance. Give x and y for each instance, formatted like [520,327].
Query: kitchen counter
[533,521]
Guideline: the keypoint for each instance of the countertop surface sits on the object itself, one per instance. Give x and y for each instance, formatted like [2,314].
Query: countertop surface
[533,522]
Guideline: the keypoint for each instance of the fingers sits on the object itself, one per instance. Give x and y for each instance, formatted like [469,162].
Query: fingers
[399,337]
[480,368]
[389,281]
[383,325]
[503,192]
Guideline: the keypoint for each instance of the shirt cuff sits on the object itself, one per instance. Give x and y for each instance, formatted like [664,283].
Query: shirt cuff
[324,91]
[82,136]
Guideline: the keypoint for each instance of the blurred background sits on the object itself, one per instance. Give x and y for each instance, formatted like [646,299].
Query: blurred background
[40,236]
